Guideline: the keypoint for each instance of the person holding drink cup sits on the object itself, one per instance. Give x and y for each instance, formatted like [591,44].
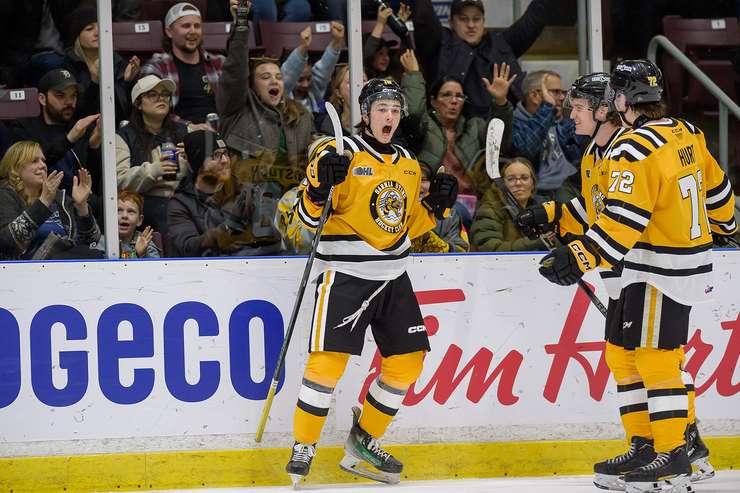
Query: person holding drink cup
[148,160]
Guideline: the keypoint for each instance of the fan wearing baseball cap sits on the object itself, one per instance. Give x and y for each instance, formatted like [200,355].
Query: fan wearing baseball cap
[467,51]
[67,143]
[194,71]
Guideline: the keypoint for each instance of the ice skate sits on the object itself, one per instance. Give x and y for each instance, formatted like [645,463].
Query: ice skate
[300,462]
[364,457]
[669,472]
[698,454]
[609,475]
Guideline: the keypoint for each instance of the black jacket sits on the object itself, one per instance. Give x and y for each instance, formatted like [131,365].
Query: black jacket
[60,154]
[442,53]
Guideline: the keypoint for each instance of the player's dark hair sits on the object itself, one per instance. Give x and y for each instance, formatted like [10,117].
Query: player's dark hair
[651,110]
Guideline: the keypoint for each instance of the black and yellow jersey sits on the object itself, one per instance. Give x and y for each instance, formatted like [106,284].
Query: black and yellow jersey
[582,211]
[664,196]
[375,212]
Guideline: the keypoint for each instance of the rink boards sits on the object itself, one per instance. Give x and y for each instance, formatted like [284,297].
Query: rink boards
[155,373]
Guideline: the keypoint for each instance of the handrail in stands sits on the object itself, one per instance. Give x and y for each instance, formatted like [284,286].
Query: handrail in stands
[725,103]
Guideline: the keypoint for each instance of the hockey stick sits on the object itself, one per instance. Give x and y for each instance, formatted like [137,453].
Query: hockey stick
[493,146]
[336,123]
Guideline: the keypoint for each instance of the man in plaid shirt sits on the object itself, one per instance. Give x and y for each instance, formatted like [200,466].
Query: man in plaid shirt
[195,71]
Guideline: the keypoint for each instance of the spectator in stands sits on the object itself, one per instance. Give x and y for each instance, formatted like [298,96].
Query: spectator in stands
[68,145]
[469,52]
[288,11]
[200,226]
[307,83]
[140,165]
[453,140]
[545,138]
[195,71]
[494,229]
[81,59]
[448,236]
[376,55]
[339,97]
[134,243]
[256,117]
[37,219]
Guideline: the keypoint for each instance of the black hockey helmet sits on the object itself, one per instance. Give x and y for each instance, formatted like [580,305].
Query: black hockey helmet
[590,87]
[377,89]
[641,81]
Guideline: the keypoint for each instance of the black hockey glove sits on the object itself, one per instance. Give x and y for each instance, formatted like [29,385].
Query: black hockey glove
[531,220]
[238,213]
[565,265]
[442,194]
[331,170]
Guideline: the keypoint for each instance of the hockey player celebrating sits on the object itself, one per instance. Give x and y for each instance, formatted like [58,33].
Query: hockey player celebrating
[591,115]
[659,198]
[361,260]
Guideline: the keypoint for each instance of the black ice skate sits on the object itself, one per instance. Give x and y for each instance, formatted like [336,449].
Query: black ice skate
[300,461]
[364,457]
[609,475]
[698,454]
[669,472]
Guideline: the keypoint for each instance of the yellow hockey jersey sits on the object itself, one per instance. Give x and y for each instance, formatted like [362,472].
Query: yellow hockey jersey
[581,212]
[664,197]
[375,213]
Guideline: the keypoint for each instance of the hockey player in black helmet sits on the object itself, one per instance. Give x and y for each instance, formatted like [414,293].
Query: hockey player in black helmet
[635,90]
[656,177]
[361,281]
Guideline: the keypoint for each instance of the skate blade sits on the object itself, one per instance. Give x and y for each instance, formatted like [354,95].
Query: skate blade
[360,468]
[297,480]
[608,482]
[702,470]
[678,484]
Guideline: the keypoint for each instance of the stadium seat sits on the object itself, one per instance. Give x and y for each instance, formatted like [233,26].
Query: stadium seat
[138,37]
[707,43]
[19,103]
[216,34]
[156,9]
[279,37]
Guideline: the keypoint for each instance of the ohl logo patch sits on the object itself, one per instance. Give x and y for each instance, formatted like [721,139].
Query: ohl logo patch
[388,206]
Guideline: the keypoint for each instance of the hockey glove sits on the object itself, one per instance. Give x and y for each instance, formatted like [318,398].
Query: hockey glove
[565,265]
[442,194]
[539,219]
[331,170]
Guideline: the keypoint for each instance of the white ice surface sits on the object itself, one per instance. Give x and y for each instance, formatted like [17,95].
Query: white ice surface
[723,482]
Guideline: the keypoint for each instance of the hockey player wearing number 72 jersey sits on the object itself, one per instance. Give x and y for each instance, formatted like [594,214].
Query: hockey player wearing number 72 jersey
[665,198]
[361,262]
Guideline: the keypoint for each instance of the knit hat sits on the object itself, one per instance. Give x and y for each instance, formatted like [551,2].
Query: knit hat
[78,20]
[180,10]
[199,145]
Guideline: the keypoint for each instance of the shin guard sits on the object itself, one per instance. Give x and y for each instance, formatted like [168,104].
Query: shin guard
[386,393]
[631,392]
[667,396]
[323,371]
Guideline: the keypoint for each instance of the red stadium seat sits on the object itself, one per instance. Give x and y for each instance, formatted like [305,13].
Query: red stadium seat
[155,10]
[216,34]
[279,37]
[19,103]
[138,37]
[706,42]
